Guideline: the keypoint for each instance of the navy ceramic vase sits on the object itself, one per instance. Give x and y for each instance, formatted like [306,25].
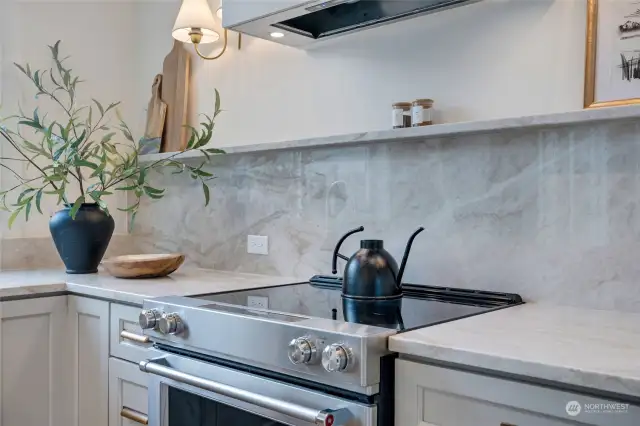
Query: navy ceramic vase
[82,242]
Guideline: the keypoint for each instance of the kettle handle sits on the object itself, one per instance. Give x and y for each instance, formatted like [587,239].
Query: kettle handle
[334,264]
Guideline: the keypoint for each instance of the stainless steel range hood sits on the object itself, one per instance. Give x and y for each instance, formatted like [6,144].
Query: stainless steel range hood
[302,23]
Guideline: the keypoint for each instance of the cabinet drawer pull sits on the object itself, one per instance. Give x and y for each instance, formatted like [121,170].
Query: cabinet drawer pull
[134,415]
[507,424]
[133,336]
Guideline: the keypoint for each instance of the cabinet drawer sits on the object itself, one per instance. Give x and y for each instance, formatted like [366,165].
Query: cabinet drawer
[128,394]
[437,396]
[126,338]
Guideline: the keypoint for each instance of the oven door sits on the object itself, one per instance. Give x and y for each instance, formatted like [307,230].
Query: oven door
[188,392]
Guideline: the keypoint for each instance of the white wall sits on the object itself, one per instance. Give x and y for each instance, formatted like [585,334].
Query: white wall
[98,36]
[490,59]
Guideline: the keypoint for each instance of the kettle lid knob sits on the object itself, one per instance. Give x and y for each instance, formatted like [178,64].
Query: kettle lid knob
[372,244]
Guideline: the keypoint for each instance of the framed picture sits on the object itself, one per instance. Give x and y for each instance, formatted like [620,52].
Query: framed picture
[612,70]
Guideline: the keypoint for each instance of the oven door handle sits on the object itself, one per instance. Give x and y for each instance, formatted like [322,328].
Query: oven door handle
[340,417]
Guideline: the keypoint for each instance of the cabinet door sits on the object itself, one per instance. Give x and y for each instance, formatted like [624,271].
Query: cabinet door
[128,394]
[89,331]
[34,367]
[428,395]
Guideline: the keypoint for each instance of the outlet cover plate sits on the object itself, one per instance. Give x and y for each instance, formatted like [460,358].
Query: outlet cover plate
[257,244]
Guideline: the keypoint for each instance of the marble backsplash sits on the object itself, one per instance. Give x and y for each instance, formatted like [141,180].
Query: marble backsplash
[552,214]
[40,253]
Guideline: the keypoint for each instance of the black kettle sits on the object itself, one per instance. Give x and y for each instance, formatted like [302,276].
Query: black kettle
[372,272]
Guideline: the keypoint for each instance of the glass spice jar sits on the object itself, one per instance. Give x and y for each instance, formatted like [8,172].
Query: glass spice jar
[421,112]
[401,115]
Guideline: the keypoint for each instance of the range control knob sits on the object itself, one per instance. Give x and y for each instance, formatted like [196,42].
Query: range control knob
[337,357]
[148,319]
[171,324]
[302,351]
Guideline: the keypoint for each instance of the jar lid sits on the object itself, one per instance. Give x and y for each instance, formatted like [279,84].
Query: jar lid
[428,102]
[403,105]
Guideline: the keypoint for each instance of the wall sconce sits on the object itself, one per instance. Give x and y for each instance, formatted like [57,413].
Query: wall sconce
[195,24]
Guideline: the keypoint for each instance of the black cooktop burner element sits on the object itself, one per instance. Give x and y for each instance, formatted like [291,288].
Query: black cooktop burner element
[322,298]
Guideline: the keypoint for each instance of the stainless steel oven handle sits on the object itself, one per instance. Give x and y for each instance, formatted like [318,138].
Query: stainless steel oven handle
[340,417]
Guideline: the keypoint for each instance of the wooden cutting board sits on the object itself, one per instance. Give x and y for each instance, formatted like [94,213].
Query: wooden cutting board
[156,115]
[175,93]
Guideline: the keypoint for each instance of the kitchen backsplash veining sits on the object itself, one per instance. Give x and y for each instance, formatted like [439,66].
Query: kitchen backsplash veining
[550,214]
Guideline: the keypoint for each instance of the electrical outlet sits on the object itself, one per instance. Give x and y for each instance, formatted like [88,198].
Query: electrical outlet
[257,244]
[258,302]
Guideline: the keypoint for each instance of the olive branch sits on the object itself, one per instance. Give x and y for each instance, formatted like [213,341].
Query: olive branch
[86,150]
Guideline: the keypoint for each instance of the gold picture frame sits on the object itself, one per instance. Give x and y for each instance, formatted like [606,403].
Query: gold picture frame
[590,63]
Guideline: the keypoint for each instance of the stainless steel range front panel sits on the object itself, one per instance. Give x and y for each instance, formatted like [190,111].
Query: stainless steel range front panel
[270,399]
[261,338]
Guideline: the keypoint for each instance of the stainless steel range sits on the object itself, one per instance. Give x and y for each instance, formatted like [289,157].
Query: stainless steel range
[290,355]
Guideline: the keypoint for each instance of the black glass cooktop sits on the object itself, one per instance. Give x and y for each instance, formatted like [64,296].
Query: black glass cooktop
[421,305]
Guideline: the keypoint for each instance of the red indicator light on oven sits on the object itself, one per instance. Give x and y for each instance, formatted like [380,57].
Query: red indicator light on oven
[329,420]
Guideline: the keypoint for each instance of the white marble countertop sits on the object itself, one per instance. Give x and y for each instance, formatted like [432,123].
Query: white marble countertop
[583,347]
[627,112]
[184,282]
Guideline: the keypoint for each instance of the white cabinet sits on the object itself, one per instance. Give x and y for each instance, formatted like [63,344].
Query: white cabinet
[427,395]
[55,368]
[89,332]
[34,367]
[127,340]
[128,393]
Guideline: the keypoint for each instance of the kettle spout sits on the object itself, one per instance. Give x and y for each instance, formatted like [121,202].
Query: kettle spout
[406,255]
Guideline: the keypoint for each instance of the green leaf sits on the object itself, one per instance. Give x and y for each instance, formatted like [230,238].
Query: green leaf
[21,68]
[126,134]
[13,217]
[111,106]
[76,207]
[142,176]
[132,221]
[130,208]
[55,49]
[30,124]
[23,194]
[38,199]
[192,139]
[59,152]
[201,173]
[127,188]
[215,151]
[53,78]
[106,138]
[34,148]
[149,189]
[85,163]
[217,101]
[103,206]
[78,141]
[97,194]
[205,189]
[99,105]
[27,210]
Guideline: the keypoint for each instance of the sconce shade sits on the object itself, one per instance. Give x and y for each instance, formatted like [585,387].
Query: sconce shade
[195,14]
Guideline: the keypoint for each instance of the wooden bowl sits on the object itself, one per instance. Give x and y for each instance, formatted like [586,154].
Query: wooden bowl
[143,265]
